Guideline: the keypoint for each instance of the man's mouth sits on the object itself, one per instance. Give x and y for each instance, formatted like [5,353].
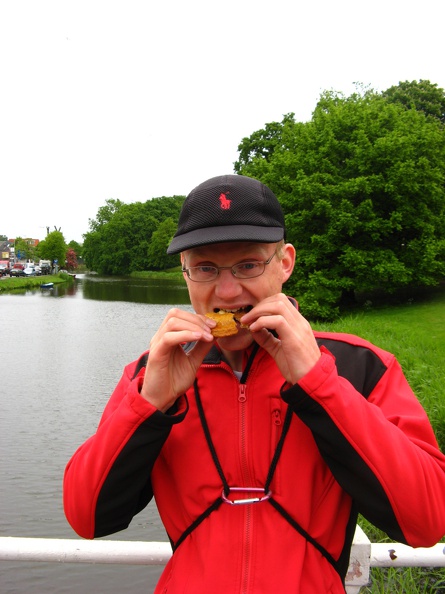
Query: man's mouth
[237,313]
[240,311]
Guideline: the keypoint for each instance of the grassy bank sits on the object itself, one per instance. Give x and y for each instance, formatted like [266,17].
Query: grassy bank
[21,283]
[172,273]
[415,333]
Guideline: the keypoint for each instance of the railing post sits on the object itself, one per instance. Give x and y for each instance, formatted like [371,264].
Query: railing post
[359,563]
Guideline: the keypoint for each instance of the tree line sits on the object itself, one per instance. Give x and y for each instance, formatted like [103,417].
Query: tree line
[126,238]
[53,248]
[362,186]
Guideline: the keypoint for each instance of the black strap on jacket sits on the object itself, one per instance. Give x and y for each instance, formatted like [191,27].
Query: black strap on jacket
[226,488]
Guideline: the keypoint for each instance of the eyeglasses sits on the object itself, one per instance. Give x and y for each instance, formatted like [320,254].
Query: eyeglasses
[244,270]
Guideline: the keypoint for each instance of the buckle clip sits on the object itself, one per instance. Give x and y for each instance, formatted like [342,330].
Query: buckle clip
[246,500]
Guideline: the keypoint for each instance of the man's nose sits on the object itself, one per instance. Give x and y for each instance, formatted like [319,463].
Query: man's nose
[227,285]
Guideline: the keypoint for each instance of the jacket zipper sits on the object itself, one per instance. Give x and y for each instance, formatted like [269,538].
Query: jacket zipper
[242,399]
[277,428]
[276,417]
[276,420]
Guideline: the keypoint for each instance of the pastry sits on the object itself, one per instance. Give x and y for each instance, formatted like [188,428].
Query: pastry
[227,321]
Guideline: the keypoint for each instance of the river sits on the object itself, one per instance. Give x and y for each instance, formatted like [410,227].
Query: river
[61,354]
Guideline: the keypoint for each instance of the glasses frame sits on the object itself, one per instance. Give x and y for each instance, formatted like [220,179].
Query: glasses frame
[232,270]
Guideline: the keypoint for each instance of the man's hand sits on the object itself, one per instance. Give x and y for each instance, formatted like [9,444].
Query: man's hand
[295,350]
[170,371]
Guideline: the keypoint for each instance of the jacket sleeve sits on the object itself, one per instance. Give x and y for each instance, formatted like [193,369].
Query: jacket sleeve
[378,443]
[107,481]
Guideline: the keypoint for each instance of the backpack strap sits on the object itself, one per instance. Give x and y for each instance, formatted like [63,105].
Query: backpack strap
[226,488]
[280,509]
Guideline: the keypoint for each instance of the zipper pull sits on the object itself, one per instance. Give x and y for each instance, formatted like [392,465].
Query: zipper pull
[242,393]
[276,416]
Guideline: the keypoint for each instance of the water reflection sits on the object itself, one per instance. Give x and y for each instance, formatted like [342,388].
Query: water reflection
[133,290]
[161,291]
[61,355]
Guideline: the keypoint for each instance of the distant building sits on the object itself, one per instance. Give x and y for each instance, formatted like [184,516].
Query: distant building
[28,240]
[5,250]
[33,243]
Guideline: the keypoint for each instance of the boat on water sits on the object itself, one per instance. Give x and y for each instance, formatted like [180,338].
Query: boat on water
[47,285]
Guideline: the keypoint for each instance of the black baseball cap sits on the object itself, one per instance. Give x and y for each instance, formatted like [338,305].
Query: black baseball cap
[228,208]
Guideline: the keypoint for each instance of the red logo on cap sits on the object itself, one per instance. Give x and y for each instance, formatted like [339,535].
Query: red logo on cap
[225,202]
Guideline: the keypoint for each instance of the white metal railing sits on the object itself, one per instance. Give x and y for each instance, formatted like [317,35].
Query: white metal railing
[364,554]
[84,551]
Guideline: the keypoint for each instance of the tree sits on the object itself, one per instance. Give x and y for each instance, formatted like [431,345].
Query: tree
[158,259]
[77,247]
[23,250]
[263,143]
[92,247]
[71,260]
[113,246]
[362,188]
[119,239]
[53,248]
[420,95]
[105,213]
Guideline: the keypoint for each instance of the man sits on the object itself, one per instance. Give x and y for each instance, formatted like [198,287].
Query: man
[260,447]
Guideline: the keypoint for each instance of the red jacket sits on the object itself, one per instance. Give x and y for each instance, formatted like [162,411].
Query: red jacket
[358,442]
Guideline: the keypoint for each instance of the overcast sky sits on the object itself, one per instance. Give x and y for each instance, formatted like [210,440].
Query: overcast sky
[136,99]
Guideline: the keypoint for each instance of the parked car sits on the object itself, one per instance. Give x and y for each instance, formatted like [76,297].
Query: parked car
[4,270]
[45,268]
[17,270]
[29,271]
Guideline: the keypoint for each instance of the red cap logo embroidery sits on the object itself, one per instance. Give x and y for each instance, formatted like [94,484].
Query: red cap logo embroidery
[225,202]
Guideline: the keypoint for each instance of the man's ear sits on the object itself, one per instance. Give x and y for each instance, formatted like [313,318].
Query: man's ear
[288,260]
[184,274]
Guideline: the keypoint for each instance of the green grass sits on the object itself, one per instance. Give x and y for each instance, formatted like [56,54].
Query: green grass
[172,273]
[22,283]
[415,333]
[412,580]
[407,580]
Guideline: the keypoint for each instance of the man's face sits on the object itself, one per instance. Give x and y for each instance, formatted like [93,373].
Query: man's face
[230,292]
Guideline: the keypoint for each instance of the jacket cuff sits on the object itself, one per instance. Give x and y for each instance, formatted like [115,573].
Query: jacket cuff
[145,409]
[299,395]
